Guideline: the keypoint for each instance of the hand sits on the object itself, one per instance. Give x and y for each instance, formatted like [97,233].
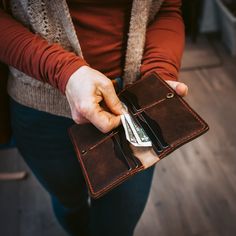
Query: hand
[180,88]
[85,90]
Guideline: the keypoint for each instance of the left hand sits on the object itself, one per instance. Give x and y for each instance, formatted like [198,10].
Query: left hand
[180,88]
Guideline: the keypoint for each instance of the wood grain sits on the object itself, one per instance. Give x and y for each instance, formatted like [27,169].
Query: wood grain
[193,191]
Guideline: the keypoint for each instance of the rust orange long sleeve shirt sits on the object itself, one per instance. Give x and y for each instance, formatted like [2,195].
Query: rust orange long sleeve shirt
[102,31]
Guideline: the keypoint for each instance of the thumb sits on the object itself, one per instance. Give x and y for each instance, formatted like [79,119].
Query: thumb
[179,87]
[112,101]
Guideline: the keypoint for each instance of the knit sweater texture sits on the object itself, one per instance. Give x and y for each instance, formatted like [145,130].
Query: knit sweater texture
[52,21]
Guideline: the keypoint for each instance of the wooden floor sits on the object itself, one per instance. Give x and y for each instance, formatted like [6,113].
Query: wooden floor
[194,189]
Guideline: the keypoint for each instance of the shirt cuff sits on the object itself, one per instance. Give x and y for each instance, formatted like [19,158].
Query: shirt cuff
[68,71]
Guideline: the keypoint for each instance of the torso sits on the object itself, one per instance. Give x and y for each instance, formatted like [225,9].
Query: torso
[102,27]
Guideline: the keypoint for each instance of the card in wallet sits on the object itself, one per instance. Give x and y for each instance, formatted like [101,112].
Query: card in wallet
[109,159]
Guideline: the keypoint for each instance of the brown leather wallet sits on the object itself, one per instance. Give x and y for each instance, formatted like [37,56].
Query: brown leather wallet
[108,159]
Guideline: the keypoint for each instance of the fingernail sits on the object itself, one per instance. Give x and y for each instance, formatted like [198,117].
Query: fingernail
[123,110]
[186,91]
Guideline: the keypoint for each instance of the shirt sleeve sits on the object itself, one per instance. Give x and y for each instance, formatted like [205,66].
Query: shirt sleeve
[34,56]
[164,42]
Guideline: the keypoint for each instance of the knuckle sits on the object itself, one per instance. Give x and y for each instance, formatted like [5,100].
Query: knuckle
[77,119]
[105,129]
[83,108]
[107,83]
[81,120]
[117,104]
[74,116]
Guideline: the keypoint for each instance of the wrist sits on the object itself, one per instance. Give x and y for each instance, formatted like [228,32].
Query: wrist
[67,74]
[78,74]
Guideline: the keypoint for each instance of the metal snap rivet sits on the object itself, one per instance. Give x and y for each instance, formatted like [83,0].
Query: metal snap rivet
[170,95]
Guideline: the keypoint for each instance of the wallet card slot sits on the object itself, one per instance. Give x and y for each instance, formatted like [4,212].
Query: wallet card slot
[175,120]
[121,148]
[110,135]
[125,145]
[131,101]
[104,164]
[133,106]
[153,131]
[160,111]
[87,136]
[119,152]
[150,126]
[145,92]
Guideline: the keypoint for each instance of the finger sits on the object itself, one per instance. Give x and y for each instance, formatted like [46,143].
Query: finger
[106,121]
[102,119]
[180,88]
[111,99]
[78,118]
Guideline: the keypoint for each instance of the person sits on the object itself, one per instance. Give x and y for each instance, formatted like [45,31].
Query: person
[65,58]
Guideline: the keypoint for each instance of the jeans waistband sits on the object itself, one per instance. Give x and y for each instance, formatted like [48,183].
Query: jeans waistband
[118,84]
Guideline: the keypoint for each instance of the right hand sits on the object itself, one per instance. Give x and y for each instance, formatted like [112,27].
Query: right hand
[85,90]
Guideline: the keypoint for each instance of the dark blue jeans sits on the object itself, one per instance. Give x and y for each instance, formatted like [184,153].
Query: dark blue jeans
[43,141]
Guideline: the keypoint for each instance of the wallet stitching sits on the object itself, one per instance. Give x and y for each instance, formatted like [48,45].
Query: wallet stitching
[103,140]
[114,183]
[139,81]
[130,173]
[173,146]
[83,168]
[87,179]
[204,126]
[141,167]
[149,106]
[184,103]
[191,134]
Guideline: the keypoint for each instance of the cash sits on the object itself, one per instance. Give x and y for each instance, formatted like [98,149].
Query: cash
[133,132]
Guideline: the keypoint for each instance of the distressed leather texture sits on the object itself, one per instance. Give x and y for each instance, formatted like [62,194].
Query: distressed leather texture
[107,160]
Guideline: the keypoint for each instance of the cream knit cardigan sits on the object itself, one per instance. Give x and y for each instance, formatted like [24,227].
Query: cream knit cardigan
[52,20]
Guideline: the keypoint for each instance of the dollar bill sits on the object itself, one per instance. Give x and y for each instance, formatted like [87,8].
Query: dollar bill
[134,133]
[140,135]
[128,132]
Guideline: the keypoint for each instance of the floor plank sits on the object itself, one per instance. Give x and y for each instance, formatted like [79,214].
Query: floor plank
[193,191]
[25,208]
[200,54]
